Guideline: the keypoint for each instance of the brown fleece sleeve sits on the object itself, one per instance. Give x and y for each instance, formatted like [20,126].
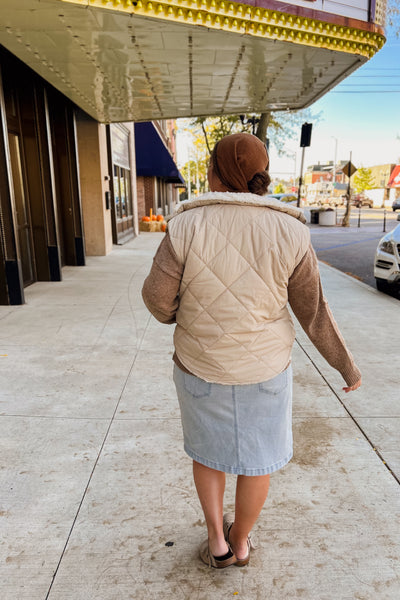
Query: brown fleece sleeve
[314,315]
[160,290]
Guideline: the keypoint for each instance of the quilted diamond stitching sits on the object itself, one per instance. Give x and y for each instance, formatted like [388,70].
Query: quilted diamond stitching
[249,266]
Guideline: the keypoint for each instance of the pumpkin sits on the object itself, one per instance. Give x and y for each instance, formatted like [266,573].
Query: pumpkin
[145,219]
[153,218]
[163,227]
[160,218]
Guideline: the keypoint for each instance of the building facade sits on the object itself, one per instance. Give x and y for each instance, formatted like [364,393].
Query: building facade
[158,178]
[324,180]
[68,183]
[41,216]
[85,88]
[381,174]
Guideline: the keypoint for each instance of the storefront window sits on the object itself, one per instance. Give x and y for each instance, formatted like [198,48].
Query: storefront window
[127,187]
[123,193]
[120,159]
[116,192]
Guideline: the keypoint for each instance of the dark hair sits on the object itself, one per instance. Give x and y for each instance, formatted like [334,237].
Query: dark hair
[259,183]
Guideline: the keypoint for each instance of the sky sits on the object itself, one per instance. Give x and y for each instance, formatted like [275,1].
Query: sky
[360,115]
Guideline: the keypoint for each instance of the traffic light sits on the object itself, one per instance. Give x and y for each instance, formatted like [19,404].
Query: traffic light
[305,139]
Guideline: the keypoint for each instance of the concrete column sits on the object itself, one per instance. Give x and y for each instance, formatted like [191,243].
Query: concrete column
[95,181]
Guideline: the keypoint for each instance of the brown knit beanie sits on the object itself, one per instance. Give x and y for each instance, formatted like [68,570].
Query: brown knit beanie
[235,160]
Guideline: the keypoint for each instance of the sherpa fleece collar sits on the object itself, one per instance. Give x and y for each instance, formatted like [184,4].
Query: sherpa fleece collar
[244,199]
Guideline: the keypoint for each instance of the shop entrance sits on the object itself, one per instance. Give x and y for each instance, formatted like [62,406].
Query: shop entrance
[121,189]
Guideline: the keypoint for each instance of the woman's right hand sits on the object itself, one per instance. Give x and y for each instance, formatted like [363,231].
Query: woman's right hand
[351,388]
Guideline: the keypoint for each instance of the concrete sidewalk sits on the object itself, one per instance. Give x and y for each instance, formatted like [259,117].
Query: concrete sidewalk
[97,499]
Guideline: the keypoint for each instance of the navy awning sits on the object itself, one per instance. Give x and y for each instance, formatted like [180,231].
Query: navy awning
[153,158]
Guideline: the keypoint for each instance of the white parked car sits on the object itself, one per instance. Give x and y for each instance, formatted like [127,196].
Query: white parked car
[387,261]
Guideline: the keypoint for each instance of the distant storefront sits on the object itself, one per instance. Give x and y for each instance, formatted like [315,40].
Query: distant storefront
[394,184]
[121,188]
[158,178]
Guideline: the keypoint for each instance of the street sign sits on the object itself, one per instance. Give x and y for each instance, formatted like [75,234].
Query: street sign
[349,169]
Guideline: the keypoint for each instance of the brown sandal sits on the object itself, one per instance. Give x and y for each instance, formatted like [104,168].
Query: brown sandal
[213,561]
[229,519]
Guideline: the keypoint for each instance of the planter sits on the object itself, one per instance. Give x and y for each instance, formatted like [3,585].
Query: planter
[148,225]
[327,218]
[312,215]
[151,225]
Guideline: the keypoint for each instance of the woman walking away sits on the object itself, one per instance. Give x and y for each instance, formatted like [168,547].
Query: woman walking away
[225,272]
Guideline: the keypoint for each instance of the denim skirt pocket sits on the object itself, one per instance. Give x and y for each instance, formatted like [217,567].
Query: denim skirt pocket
[273,392]
[197,388]
[275,386]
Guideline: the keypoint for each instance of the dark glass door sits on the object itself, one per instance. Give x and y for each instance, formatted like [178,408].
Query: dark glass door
[22,210]
[122,203]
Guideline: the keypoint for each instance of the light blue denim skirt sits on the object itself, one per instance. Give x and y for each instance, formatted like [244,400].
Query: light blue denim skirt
[239,429]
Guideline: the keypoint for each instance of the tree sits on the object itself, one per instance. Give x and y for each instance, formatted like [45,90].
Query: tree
[279,189]
[393,15]
[204,133]
[194,172]
[263,126]
[363,180]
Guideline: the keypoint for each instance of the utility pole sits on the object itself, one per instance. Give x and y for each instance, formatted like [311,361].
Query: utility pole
[348,170]
[305,141]
[301,177]
[334,166]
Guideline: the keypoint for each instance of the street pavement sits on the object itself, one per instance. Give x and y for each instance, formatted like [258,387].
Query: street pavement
[97,498]
[352,249]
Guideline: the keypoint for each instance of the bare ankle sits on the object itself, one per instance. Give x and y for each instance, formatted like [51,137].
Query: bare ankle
[238,542]
[237,536]
[217,545]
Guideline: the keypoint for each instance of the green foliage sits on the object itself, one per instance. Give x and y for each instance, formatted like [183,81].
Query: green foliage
[196,171]
[204,133]
[363,180]
[279,189]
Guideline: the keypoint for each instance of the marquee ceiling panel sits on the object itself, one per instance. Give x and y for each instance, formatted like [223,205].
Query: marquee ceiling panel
[125,61]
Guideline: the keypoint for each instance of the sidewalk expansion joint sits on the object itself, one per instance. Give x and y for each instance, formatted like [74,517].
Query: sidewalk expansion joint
[363,433]
[54,417]
[112,420]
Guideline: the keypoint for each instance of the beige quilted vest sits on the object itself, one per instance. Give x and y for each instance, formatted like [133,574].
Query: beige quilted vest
[239,250]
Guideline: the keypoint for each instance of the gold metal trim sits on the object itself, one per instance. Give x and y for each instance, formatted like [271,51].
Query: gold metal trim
[251,20]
